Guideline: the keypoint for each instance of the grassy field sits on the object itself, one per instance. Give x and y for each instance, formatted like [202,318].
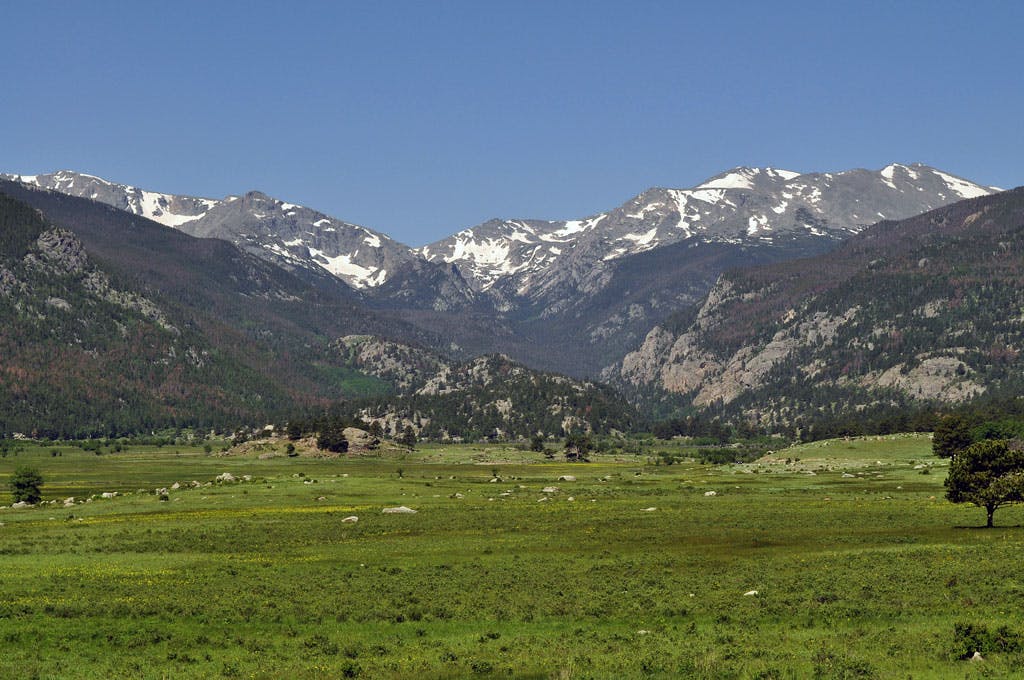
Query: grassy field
[860,568]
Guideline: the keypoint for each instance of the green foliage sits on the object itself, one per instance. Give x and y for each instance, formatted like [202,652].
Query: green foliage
[332,436]
[537,443]
[988,474]
[952,435]
[408,437]
[578,445]
[20,226]
[25,485]
[969,638]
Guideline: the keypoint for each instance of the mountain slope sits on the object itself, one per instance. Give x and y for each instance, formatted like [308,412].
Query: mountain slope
[927,308]
[262,333]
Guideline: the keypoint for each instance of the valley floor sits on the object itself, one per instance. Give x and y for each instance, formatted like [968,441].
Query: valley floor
[843,562]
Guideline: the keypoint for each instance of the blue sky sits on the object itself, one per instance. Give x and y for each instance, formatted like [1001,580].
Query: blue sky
[422,118]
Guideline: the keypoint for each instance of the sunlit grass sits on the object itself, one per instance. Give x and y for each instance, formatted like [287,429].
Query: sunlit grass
[861,569]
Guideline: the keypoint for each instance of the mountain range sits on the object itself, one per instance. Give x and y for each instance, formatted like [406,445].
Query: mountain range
[571,296]
[760,293]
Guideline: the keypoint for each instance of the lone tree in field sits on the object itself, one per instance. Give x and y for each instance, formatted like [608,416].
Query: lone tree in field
[989,474]
[25,485]
[577,446]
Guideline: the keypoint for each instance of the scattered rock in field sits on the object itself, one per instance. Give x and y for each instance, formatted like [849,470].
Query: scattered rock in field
[400,510]
[225,477]
[307,481]
[456,495]
[194,484]
[541,500]
[351,519]
[505,494]
[847,475]
[175,486]
[108,494]
[567,478]
[570,499]
[750,593]
[549,489]
[494,480]
[69,501]
[919,467]
[977,657]
[321,498]
[710,493]
[21,504]
[651,509]
[643,632]
[246,478]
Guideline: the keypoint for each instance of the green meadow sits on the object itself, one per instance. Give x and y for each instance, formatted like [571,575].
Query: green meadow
[837,559]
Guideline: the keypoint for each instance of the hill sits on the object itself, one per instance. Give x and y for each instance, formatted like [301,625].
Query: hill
[489,397]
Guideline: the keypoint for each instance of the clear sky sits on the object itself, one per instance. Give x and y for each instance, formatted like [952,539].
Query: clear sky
[422,118]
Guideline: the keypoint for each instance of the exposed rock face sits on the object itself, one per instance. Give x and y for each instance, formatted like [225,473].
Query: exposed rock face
[360,439]
[889,314]
[62,250]
[944,378]
[403,365]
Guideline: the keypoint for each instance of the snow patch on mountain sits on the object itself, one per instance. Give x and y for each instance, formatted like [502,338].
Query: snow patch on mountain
[732,180]
[962,187]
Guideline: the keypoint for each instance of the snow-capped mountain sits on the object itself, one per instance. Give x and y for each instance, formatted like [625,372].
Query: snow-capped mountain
[571,296]
[288,233]
[743,205]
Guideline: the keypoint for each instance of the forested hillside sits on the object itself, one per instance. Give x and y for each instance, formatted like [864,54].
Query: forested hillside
[112,324]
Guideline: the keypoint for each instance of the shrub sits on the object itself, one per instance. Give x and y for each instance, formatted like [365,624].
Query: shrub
[25,484]
[969,638]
